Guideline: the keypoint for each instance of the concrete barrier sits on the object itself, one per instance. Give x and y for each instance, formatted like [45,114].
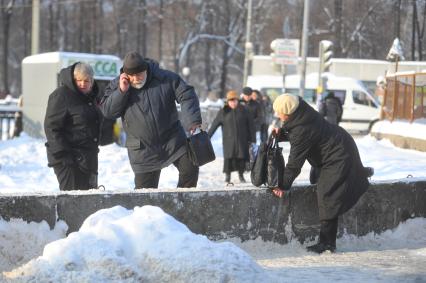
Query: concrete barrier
[402,141]
[245,213]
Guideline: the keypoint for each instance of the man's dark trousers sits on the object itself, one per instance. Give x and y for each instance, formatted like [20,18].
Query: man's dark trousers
[188,175]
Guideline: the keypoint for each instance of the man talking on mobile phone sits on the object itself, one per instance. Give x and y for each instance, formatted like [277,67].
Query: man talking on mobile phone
[145,96]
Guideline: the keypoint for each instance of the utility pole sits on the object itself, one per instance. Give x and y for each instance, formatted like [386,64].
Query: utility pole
[35,32]
[248,45]
[304,47]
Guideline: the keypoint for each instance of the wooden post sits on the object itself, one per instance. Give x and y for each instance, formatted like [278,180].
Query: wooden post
[395,97]
[413,95]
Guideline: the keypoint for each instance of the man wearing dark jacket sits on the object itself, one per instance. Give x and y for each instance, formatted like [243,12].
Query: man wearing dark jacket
[331,109]
[72,127]
[342,178]
[254,107]
[145,97]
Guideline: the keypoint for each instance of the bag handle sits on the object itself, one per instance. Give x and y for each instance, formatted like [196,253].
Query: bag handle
[272,141]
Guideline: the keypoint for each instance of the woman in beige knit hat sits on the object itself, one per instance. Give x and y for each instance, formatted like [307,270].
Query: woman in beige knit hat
[342,178]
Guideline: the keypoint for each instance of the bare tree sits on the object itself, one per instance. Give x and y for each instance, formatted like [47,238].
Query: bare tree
[338,13]
[6,16]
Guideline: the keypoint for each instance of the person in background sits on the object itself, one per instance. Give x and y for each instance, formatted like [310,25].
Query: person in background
[257,97]
[269,111]
[254,108]
[18,127]
[72,127]
[237,135]
[145,96]
[331,109]
[342,179]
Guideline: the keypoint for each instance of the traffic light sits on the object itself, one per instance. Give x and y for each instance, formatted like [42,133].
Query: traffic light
[325,55]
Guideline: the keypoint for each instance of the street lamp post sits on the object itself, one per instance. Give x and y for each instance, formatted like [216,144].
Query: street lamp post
[35,29]
[304,47]
[248,45]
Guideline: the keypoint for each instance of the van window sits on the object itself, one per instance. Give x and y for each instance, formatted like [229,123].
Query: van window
[363,99]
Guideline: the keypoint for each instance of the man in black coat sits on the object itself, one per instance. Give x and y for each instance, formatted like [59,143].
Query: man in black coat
[72,127]
[342,179]
[331,109]
[254,108]
[145,97]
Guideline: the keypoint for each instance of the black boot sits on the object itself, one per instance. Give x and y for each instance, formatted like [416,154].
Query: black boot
[227,177]
[241,177]
[320,248]
[327,237]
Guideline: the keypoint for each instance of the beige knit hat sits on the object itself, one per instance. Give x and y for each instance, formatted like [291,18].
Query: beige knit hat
[286,104]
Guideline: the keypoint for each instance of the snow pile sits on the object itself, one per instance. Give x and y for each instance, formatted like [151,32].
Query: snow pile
[212,103]
[140,245]
[22,241]
[416,130]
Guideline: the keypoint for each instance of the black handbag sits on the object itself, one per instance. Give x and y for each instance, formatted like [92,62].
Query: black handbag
[275,166]
[268,167]
[200,148]
[258,171]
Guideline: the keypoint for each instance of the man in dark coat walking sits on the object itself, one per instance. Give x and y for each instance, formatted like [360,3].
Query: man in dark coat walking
[342,179]
[237,135]
[331,109]
[72,127]
[145,97]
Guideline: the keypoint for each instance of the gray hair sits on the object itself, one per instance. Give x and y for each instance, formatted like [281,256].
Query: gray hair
[83,70]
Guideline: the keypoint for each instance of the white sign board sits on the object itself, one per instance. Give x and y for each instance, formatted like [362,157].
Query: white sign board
[286,51]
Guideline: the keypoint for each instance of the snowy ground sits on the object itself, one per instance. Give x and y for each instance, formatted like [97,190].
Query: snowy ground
[150,246]
[23,166]
[147,245]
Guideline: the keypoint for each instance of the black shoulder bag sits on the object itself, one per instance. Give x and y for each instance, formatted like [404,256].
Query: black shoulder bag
[200,149]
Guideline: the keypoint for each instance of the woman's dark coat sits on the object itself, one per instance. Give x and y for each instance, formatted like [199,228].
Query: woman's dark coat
[72,124]
[155,135]
[237,131]
[342,178]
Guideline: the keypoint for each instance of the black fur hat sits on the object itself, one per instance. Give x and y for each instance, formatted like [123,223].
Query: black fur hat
[134,63]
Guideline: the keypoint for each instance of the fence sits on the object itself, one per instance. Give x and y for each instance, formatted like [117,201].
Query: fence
[7,124]
[405,97]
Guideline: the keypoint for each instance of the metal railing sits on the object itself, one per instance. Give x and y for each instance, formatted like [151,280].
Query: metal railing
[405,97]
[7,124]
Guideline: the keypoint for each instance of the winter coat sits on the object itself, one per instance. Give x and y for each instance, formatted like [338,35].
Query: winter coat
[342,178]
[257,112]
[331,109]
[72,124]
[237,131]
[155,135]
[269,111]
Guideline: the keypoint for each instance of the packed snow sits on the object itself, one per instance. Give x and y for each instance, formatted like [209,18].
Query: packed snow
[147,245]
